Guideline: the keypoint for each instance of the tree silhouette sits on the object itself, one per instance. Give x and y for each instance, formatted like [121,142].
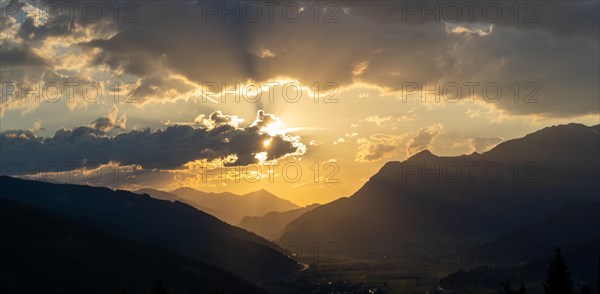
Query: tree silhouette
[559,278]
[585,289]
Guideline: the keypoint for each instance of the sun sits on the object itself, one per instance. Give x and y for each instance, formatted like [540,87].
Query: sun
[267,142]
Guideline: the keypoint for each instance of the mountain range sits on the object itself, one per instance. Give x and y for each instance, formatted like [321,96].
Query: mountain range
[42,252]
[172,226]
[469,198]
[272,224]
[231,208]
[520,200]
[269,225]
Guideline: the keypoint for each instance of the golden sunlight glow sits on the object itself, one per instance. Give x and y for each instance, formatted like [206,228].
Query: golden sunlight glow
[278,128]
[262,156]
[266,53]
[266,143]
[275,128]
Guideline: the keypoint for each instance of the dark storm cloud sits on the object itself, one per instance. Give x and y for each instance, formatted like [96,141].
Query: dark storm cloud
[557,48]
[562,18]
[161,149]
[21,58]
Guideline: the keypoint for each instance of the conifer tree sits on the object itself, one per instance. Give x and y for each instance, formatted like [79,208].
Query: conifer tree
[559,278]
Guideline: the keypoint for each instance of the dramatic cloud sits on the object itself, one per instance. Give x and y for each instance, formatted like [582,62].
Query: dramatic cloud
[176,46]
[481,145]
[217,119]
[377,147]
[424,138]
[162,149]
[107,124]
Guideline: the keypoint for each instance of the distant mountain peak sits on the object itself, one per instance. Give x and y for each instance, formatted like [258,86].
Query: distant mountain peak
[570,127]
[264,194]
[259,192]
[425,154]
[561,138]
[184,189]
[232,207]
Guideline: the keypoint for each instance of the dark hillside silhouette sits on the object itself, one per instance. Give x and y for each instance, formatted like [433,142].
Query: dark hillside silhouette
[171,225]
[569,227]
[407,201]
[162,195]
[44,253]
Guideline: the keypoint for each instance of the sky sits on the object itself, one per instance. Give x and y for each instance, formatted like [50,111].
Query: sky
[305,99]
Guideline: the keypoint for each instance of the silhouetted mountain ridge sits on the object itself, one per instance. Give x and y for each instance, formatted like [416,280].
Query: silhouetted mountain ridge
[470,197]
[231,208]
[171,225]
[44,253]
[271,225]
[162,195]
